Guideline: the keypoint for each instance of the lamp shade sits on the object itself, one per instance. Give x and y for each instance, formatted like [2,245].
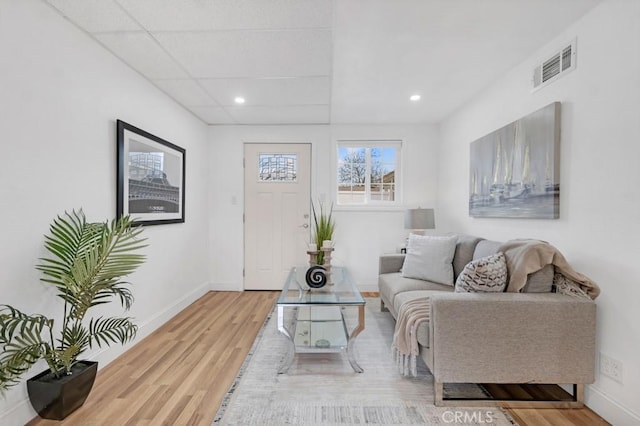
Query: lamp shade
[419,219]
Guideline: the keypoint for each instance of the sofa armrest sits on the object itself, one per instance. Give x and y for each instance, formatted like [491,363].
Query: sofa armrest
[389,263]
[512,338]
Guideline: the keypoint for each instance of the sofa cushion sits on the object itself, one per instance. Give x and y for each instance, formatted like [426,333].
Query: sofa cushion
[487,274]
[423,328]
[465,246]
[540,281]
[392,284]
[485,248]
[430,258]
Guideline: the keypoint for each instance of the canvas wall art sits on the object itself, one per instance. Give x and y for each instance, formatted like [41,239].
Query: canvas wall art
[151,177]
[515,170]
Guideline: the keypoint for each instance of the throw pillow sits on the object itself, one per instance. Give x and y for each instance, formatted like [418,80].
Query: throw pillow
[487,274]
[430,258]
[568,287]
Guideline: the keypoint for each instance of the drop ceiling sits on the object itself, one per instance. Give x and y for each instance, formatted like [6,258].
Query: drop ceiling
[322,61]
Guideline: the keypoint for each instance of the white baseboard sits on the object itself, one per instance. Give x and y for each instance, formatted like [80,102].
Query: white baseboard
[368,288]
[22,412]
[608,409]
[18,415]
[233,286]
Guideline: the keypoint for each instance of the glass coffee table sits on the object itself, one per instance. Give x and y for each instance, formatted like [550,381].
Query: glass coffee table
[316,316]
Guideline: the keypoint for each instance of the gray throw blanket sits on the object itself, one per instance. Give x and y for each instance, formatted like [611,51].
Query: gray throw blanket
[527,256]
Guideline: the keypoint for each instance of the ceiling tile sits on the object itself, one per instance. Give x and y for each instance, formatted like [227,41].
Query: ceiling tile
[187,92]
[96,15]
[447,50]
[194,15]
[359,59]
[234,54]
[307,114]
[213,115]
[271,91]
[141,52]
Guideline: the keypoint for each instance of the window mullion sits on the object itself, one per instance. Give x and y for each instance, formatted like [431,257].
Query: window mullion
[367,176]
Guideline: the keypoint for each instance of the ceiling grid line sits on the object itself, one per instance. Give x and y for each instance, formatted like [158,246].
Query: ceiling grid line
[204,91]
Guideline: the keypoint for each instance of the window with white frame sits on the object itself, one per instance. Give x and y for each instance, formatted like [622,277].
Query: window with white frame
[368,172]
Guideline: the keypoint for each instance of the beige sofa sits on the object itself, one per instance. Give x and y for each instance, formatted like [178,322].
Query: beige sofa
[536,336]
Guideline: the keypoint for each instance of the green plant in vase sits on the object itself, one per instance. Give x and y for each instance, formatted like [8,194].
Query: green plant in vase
[86,266]
[324,227]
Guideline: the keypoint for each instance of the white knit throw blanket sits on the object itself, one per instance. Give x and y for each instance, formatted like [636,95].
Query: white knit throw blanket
[405,337]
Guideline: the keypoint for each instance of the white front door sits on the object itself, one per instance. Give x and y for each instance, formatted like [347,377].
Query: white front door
[277,204]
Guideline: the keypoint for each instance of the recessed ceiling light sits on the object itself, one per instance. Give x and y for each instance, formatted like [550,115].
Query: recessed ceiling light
[415,97]
[239,100]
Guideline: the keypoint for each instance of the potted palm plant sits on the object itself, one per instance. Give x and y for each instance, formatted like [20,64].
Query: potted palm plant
[86,265]
[324,225]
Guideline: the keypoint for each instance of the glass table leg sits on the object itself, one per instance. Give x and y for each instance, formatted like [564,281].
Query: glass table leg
[288,360]
[352,338]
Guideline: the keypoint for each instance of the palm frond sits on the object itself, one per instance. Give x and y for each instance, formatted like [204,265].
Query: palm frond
[124,294]
[75,334]
[12,320]
[111,330]
[90,258]
[21,343]
[74,341]
[17,359]
[66,236]
[65,244]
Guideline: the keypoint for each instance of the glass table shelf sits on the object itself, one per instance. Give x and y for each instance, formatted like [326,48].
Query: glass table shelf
[317,318]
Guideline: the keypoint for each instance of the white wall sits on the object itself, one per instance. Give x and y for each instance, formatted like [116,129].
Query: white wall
[361,236]
[599,223]
[60,94]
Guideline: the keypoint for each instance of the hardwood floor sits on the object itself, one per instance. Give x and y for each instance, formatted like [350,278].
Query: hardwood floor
[556,417]
[180,374]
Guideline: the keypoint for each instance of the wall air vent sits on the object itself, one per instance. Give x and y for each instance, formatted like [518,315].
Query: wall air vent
[555,66]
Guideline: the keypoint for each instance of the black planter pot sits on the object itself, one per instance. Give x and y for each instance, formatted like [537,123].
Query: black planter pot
[55,398]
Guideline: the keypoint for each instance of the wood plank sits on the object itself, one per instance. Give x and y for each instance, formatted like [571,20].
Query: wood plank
[528,392]
[556,417]
[180,373]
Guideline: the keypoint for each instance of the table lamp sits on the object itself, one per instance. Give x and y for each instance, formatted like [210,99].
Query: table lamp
[419,219]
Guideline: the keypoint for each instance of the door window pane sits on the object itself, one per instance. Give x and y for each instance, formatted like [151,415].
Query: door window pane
[277,167]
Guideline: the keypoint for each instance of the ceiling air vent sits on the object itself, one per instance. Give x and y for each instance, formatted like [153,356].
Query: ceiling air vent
[552,68]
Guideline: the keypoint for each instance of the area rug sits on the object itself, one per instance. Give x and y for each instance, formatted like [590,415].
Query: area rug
[323,389]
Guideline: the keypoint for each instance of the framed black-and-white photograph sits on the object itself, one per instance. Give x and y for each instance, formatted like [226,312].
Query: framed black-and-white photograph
[151,177]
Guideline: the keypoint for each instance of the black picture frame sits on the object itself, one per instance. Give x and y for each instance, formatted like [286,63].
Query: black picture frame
[151,177]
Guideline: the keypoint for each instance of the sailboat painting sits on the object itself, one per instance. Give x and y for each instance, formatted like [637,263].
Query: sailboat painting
[515,170]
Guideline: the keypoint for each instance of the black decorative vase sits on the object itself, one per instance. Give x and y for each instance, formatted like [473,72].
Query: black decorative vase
[316,276]
[55,398]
